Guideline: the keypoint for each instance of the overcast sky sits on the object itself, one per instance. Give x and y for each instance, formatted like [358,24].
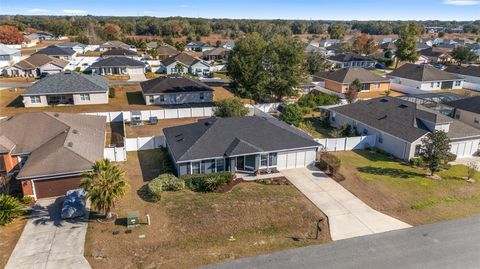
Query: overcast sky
[256,9]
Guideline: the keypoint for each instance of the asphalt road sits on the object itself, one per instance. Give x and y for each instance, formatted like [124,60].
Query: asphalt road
[453,244]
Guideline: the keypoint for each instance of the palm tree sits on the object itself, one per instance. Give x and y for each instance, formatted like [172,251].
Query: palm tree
[105,184]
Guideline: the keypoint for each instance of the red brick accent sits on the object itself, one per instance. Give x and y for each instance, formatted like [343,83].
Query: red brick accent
[10,162]
[27,187]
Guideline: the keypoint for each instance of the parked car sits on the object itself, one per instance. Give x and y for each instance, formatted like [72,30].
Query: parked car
[380,66]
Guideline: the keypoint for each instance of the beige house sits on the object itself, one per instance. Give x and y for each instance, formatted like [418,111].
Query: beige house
[467,110]
[36,65]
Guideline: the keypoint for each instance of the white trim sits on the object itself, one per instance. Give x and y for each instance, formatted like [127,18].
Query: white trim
[33,189]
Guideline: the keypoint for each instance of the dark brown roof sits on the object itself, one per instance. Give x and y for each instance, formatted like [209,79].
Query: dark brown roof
[422,73]
[348,75]
[181,57]
[38,60]
[167,50]
[472,70]
[57,143]
[173,83]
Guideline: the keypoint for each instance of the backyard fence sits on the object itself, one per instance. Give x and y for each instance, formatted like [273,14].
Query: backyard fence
[144,143]
[116,154]
[347,143]
[173,113]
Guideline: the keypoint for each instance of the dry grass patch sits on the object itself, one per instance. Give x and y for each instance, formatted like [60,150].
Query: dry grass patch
[157,129]
[222,93]
[407,193]
[193,229]
[9,235]
[117,77]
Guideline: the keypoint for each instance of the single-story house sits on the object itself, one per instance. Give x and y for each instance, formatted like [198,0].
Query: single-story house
[67,88]
[329,42]
[36,65]
[43,36]
[230,44]
[188,64]
[400,125]
[197,46]
[470,73]
[425,77]
[58,52]
[30,41]
[166,51]
[238,144]
[120,52]
[9,56]
[175,89]
[76,46]
[315,50]
[118,66]
[115,44]
[216,54]
[152,45]
[467,110]
[340,80]
[49,151]
[437,55]
[351,60]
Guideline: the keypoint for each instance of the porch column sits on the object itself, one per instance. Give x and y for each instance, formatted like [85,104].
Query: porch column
[257,162]
[233,166]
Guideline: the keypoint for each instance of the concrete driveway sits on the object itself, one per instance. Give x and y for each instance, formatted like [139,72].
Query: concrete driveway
[348,216]
[48,241]
[468,161]
[137,77]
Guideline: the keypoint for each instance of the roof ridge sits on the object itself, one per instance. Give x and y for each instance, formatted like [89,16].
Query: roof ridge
[200,138]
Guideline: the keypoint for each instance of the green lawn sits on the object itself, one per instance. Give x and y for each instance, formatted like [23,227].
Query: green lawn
[408,193]
[318,131]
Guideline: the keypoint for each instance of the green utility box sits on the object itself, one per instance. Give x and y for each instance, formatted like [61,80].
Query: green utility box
[133,219]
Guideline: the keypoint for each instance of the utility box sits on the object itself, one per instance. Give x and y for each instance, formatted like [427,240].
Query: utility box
[133,219]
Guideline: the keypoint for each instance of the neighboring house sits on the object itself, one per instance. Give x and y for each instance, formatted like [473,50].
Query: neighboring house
[329,42]
[470,73]
[67,88]
[230,44]
[198,46]
[58,52]
[437,55]
[121,52]
[30,41]
[118,66]
[351,60]
[36,65]
[9,56]
[238,144]
[400,125]
[216,54]
[314,49]
[76,46]
[43,36]
[467,110]
[387,40]
[115,44]
[175,89]
[50,150]
[421,45]
[152,45]
[184,63]
[425,77]
[340,80]
[166,51]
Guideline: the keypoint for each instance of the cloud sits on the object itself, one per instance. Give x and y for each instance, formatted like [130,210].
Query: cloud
[74,11]
[462,2]
[37,10]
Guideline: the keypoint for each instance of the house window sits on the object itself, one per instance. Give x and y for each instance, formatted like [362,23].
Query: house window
[333,116]
[220,165]
[438,84]
[432,85]
[272,159]
[264,160]
[380,139]
[476,120]
[35,99]
[365,131]
[85,97]
[457,114]
[376,86]
[202,96]
[458,83]
[162,98]
[195,167]
[152,98]
[417,150]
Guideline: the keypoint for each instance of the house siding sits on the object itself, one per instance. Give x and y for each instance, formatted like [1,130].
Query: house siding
[27,101]
[95,98]
[424,85]
[468,117]
[180,98]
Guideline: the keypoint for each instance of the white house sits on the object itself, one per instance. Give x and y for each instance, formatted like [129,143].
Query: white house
[9,56]
[471,73]
[425,77]
[118,66]
[36,65]
[75,46]
[188,64]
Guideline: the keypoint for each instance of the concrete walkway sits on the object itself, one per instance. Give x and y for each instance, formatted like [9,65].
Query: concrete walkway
[348,216]
[49,242]
[137,78]
[467,161]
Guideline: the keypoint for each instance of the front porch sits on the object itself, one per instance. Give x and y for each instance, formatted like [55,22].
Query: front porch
[112,71]
[63,99]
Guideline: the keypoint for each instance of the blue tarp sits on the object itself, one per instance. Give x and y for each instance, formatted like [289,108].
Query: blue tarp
[74,204]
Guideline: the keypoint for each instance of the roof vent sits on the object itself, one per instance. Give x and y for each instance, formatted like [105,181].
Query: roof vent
[403,106]
[56,115]
[70,144]
[382,118]
[383,100]
[75,131]
[179,140]
[67,72]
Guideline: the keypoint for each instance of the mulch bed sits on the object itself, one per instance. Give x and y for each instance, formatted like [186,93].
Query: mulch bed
[273,181]
[229,186]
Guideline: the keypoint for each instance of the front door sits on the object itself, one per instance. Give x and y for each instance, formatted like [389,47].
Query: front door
[240,163]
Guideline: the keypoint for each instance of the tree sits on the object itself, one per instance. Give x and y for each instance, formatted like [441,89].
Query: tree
[364,45]
[154,53]
[463,55]
[247,67]
[337,30]
[10,208]
[111,31]
[315,62]
[180,46]
[10,35]
[292,114]
[232,107]
[435,149]
[81,39]
[352,92]
[472,168]
[105,184]
[407,43]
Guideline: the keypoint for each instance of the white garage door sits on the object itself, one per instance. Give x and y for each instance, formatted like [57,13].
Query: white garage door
[465,149]
[296,159]
[135,70]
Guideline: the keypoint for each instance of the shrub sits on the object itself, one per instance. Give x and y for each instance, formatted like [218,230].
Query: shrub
[10,208]
[155,188]
[207,182]
[111,93]
[27,200]
[312,100]
[333,162]
[77,69]
[450,157]
[170,182]
[292,114]
[417,162]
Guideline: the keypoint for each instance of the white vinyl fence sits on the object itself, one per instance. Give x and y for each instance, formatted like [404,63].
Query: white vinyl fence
[173,113]
[144,143]
[117,154]
[471,86]
[347,143]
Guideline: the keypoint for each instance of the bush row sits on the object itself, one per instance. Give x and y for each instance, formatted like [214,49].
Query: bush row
[207,182]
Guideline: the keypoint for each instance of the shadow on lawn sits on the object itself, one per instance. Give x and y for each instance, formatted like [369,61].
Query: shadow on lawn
[151,163]
[392,172]
[135,98]
[17,102]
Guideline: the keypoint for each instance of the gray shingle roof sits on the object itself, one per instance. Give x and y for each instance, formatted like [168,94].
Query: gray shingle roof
[173,83]
[117,61]
[471,104]
[181,57]
[471,70]
[68,82]
[70,44]
[58,143]
[219,137]
[56,51]
[119,52]
[422,72]
[348,75]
